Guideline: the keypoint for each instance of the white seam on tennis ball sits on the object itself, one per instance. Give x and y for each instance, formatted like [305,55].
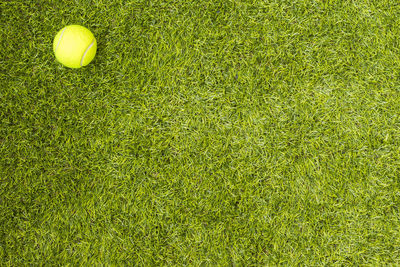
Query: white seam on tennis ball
[59,40]
[87,49]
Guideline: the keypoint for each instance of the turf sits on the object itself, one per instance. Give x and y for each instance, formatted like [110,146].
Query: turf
[229,133]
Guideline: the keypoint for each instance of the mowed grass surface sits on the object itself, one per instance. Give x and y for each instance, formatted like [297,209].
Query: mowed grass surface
[204,132]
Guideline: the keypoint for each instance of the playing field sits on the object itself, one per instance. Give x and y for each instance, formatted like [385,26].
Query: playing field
[213,133]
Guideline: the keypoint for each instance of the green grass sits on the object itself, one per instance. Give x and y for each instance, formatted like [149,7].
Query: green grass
[204,133]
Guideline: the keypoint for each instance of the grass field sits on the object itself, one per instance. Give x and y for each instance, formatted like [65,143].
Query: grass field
[223,133]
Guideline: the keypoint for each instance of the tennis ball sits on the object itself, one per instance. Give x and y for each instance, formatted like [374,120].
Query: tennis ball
[74,46]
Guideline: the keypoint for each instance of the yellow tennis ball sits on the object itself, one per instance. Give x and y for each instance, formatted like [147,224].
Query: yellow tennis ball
[74,46]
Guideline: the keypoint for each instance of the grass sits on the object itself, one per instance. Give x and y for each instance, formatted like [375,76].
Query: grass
[203,133]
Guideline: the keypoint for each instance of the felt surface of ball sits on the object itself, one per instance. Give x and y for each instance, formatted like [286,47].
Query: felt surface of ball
[74,46]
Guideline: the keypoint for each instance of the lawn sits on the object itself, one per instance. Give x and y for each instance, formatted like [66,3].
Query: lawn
[216,133]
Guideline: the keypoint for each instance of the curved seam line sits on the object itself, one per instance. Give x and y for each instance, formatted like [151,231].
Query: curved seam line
[87,49]
[59,40]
